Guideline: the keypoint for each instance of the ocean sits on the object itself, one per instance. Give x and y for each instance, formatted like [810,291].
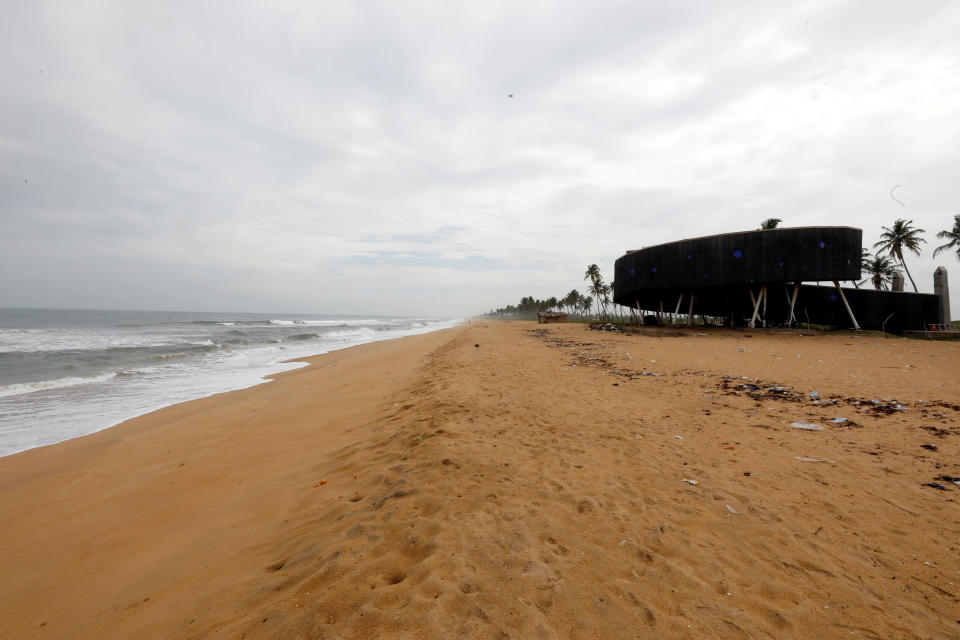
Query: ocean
[68,373]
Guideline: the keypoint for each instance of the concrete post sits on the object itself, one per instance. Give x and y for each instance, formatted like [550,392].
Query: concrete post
[942,290]
[897,281]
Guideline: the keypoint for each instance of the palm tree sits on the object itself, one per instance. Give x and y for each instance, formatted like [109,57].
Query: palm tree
[597,287]
[572,300]
[899,237]
[770,223]
[953,236]
[592,273]
[881,271]
[865,259]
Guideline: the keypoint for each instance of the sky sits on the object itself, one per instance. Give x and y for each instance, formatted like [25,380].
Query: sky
[443,158]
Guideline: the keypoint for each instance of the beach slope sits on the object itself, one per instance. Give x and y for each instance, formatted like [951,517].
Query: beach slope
[512,480]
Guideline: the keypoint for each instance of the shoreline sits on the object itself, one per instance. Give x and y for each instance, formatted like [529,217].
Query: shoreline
[529,486]
[214,382]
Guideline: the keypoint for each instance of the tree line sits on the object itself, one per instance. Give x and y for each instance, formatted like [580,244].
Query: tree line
[573,303]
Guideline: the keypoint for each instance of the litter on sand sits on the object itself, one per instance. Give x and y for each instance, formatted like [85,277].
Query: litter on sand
[806,426]
[732,510]
[805,459]
[689,481]
[838,420]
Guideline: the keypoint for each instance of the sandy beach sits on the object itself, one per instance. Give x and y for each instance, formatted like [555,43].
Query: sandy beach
[513,480]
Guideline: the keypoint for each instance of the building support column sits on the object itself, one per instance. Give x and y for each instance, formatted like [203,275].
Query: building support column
[756,300]
[690,311]
[793,303]
[856,326]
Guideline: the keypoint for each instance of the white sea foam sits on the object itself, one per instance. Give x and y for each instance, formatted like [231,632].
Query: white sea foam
[22,388]
[75,406]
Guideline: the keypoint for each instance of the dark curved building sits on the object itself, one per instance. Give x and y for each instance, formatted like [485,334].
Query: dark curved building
[758,277]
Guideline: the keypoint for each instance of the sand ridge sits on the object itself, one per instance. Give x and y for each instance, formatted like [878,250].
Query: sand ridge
[510,480]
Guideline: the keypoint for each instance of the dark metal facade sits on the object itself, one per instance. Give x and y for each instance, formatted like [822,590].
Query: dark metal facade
[805,254]
[721,271]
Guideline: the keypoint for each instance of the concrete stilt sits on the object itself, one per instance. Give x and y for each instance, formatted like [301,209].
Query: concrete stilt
[897,283]
[942,290]
[856,326]
[793,303]
[756,300]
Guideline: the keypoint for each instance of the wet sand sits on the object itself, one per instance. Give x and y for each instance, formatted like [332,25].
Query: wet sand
[531,486]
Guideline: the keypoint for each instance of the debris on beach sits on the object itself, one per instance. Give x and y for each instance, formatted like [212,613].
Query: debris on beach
[605,326]
[805,459]
[732,510]
[806,426]
[759,391]
[929,447]
[689,481]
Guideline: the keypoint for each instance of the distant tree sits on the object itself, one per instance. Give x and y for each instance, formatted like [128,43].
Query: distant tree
[881,271]
[770,223]
[899,237]
[865,258]
[953,236]
[585,303]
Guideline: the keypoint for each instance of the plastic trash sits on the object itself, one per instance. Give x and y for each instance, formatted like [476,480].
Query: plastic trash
[839,420]
[678,437]
[929,447]
[805,459]
[732,510]
[806,426]
[814,394]
[695,483]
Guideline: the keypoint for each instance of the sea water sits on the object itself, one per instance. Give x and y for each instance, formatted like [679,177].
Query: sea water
[68,373]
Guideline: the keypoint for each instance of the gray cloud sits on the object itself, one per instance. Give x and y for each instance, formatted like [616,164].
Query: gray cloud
[366,157]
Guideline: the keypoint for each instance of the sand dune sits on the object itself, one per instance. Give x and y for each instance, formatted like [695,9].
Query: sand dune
[533,486]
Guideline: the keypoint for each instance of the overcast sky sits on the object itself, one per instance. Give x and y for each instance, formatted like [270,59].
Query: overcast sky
[366,157]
